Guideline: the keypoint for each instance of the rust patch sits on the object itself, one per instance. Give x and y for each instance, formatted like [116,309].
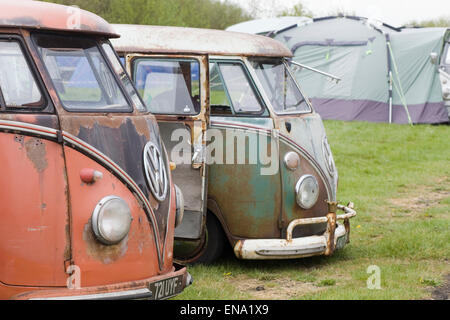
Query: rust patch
[101,252]
[37,154]
[142,127]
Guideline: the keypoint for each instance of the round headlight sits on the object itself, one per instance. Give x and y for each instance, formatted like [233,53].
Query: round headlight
[111,220]
[307,191]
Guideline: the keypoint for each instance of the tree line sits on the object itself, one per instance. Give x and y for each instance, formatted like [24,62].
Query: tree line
[212,14]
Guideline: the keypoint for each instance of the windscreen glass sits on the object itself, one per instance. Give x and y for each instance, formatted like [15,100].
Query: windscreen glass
[447,58]
[280,87]
[81,75]
[123,76]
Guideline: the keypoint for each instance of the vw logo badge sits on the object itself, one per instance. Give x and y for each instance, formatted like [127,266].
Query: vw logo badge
[155,171]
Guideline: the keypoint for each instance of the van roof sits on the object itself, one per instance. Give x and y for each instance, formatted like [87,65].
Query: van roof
[49,16]
[162,39]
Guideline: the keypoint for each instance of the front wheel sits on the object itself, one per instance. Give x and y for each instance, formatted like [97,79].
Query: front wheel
[206,250]
[214,241]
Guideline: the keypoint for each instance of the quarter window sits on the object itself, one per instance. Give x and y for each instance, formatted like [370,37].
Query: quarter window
[18,87]
[220,103]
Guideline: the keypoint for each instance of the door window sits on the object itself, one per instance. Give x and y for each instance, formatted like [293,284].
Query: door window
[231,90]
[169,86]
[18,87]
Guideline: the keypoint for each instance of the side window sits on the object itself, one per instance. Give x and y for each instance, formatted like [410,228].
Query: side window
[232,92]
[18,87]
[169,86]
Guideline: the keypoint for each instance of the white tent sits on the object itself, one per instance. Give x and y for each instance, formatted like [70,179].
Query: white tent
[268,25]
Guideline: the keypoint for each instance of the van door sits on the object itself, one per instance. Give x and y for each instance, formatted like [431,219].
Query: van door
[34,228]
[245,183]
[174,90]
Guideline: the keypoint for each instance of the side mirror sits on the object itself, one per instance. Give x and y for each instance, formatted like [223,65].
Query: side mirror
[433,57]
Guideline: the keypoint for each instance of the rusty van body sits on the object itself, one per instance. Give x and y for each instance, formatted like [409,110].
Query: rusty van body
[232,87]
[87,202]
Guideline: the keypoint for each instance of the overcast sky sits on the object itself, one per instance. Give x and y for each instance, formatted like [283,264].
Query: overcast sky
[395,12]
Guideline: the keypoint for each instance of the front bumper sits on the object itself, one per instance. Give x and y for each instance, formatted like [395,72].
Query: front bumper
[335,237]
[141,289]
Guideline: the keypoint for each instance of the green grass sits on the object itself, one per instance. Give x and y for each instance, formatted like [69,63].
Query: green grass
[399,179]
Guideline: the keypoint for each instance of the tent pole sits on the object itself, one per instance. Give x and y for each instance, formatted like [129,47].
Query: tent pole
[390,74]
[390,96]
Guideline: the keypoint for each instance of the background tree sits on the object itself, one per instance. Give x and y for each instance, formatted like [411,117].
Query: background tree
[212,14]
[298,10]
[439,22]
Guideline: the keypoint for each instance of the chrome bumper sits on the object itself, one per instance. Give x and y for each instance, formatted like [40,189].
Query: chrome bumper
[335,237]
[124,291]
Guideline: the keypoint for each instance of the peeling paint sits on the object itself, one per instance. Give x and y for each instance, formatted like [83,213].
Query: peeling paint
[37,154]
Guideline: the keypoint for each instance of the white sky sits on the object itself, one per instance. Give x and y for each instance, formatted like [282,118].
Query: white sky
[395,12]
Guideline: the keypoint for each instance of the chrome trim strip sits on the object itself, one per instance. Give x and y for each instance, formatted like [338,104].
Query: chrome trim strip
[135,294]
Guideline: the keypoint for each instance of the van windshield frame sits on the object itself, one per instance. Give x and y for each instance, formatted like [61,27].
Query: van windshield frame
[282,90]
[82,74]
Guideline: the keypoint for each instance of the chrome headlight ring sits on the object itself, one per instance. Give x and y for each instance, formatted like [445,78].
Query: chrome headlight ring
[111,220]
[307,191]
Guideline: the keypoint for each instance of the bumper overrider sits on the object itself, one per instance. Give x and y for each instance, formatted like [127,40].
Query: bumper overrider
[335,237]
[155,288]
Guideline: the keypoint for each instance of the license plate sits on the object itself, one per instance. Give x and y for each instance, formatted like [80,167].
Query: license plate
[166,288]
[341,242]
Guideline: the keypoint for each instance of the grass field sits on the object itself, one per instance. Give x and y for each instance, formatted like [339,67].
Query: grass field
[399,179]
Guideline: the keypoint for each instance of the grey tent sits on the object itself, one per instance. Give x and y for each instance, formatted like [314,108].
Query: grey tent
[387,73]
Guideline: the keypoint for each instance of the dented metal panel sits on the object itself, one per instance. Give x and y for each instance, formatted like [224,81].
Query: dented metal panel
[158,39]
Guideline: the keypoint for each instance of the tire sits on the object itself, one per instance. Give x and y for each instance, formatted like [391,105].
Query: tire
[214,241]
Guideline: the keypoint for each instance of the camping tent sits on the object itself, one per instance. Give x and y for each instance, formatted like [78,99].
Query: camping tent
[266,26]
[387,73]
